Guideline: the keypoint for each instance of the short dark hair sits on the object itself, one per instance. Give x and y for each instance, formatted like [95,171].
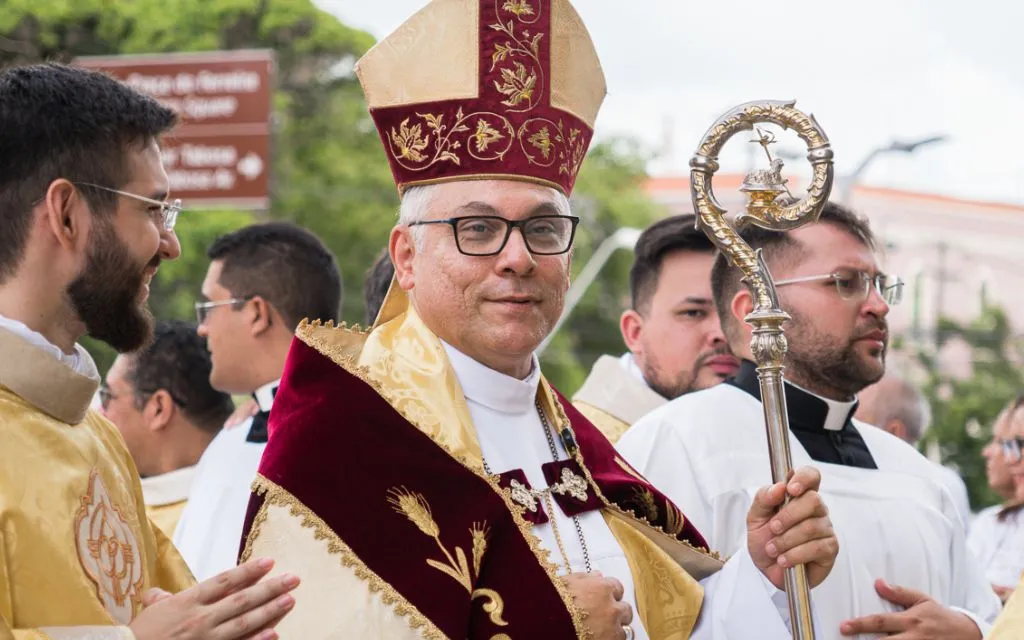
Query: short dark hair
[286,265]
[178,362]
[658,241]
[777,246]
[375,286]
[59,121]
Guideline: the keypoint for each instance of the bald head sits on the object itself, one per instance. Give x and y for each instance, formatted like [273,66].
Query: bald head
[896,406]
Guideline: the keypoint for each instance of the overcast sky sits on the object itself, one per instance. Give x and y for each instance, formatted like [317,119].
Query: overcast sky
[871,71]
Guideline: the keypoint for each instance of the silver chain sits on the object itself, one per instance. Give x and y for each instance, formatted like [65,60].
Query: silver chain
[554,455]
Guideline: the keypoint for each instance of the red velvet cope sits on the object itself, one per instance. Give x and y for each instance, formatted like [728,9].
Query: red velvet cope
[509,130]
[340,449]
[615,483]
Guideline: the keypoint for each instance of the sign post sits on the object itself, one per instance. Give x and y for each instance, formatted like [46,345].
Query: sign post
[219,156]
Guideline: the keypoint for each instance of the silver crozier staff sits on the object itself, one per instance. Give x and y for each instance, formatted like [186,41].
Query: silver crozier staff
[772,207]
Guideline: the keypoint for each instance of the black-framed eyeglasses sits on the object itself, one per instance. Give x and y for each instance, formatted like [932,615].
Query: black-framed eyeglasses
[203,308]
[856,285]
[168,214]
[487,235]
[1011,449]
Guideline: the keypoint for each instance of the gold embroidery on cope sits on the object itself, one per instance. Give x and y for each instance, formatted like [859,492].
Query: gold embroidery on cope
[337,348]
[416,508]
[109,551]
[276,495]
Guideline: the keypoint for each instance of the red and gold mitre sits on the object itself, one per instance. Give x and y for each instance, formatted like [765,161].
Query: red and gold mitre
[485,89]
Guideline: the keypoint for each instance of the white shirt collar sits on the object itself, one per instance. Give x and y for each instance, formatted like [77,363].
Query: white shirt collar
[74,360]
[264,396]
[491,388]
[628,363]
[168,488]
[838,411]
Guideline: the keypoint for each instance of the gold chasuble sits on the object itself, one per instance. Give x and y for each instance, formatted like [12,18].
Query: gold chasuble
[1010,623]
[76,549]
[373,490]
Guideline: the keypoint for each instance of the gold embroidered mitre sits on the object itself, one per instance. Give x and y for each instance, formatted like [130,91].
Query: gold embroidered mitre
[485,89]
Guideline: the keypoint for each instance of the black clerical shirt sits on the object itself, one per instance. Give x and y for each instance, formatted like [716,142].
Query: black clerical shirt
[807,417]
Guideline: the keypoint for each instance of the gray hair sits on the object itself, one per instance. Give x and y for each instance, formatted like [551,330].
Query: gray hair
[416,202]
[899,400]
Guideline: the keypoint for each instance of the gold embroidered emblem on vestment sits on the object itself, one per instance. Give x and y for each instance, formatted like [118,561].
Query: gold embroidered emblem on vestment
[109,552]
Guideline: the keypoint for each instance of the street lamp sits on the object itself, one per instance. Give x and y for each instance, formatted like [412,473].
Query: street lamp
[896,146]
[623,238]
[846,183]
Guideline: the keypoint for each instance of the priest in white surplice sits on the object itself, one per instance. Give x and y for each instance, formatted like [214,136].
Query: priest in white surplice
[895,520]
[671,329]
[262,281]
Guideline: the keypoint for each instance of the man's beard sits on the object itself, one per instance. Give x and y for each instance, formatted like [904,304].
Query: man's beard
[816,362]
[105,296]
[686,381]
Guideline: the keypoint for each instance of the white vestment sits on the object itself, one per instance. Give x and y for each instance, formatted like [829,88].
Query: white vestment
[999,545]
[707,451]
[739,602]
[209,533]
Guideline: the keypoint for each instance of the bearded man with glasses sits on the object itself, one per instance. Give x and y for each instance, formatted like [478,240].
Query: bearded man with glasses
[904,567]
[84,225]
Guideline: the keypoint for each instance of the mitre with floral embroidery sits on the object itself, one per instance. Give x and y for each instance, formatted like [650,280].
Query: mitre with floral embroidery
[485,89]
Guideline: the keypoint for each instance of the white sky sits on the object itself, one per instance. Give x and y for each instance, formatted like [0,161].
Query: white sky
[871,71]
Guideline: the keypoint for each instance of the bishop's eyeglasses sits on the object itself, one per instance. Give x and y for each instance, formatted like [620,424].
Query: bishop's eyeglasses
[856,285]
[487,235]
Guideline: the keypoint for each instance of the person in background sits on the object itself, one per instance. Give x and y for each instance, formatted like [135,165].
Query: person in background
[161,401]
[263,280]
[997,532]
[898,407]
[671,329]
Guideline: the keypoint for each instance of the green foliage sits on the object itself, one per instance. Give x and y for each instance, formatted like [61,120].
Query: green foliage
[963,409]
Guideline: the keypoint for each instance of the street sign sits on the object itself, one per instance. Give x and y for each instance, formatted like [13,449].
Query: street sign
[219,156]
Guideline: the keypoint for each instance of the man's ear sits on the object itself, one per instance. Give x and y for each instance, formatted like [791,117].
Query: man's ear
[896,427]
[631,324]
[402,247]
[260,319]
[159,410]
[742,305]
[67,214]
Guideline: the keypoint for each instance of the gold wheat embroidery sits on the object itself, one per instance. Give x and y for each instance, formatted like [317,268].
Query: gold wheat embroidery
[416,508]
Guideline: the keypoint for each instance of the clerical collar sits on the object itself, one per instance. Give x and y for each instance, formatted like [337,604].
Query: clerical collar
[807,407]
[264,396]
[824,427]
[491,388]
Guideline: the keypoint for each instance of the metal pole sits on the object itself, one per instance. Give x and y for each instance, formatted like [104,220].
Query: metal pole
[623,238]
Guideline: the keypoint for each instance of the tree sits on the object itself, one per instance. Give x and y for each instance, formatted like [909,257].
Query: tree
[964,408]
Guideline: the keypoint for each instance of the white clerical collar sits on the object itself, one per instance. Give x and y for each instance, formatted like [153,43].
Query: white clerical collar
[168,488]
[838,411]
[629,365]
[264,396]
[491,388]
[74,361]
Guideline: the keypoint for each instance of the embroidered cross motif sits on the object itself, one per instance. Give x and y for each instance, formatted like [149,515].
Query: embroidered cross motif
[570,484]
